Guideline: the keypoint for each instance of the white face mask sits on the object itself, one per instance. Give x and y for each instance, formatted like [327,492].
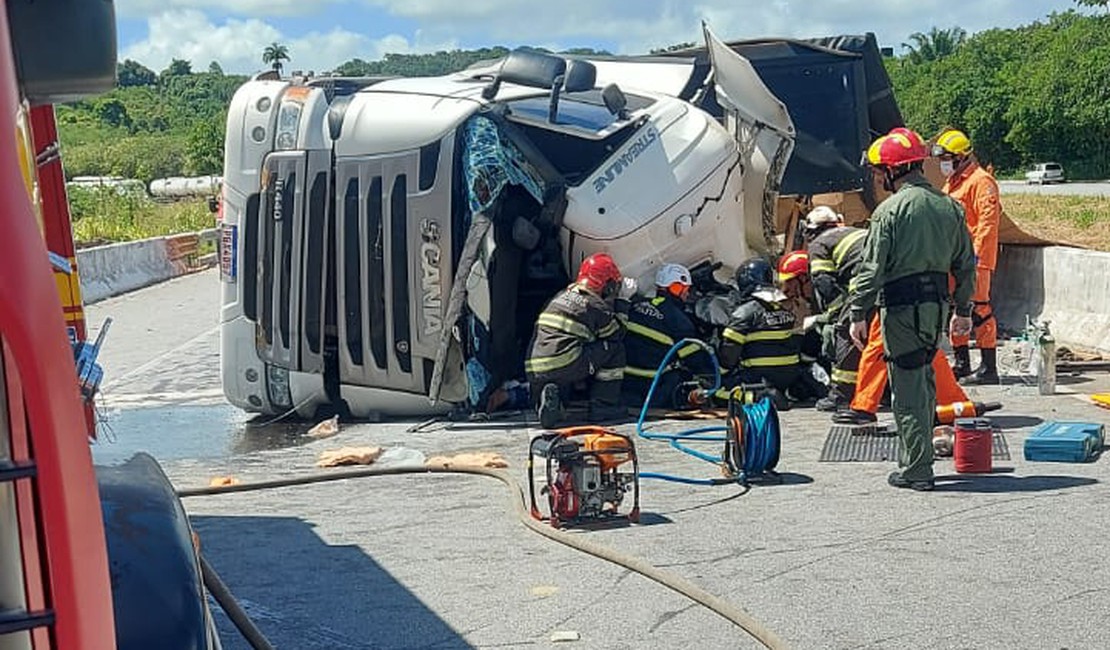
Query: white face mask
[947,167]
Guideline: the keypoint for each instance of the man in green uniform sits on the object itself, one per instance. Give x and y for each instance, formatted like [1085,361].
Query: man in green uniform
[917,237]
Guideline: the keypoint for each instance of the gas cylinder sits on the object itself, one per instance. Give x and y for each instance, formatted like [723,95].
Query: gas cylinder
[1046,378]
[974,441]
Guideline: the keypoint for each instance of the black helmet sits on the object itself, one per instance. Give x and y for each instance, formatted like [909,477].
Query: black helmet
[755,274]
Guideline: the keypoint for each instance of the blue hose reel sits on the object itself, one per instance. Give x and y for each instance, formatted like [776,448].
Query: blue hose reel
[752,437]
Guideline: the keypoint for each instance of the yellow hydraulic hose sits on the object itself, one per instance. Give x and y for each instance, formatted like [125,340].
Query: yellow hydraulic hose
[725,609]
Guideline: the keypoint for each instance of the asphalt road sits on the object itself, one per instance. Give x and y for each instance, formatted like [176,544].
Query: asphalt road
[831,557]
[1058,189]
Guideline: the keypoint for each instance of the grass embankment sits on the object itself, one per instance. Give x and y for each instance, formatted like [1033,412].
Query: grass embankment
[1078,220]
[102,216]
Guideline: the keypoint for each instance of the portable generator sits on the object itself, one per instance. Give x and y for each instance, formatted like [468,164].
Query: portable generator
[588,471]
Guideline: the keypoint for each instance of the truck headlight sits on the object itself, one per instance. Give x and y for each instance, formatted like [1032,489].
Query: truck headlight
[289,121]
[277,386]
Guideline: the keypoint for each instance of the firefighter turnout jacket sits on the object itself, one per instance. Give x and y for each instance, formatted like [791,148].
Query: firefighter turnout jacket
[574,323]
[834,258]
[760,342]
[654,326]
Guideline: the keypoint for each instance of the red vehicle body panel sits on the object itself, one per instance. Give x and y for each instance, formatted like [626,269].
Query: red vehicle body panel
[71,549]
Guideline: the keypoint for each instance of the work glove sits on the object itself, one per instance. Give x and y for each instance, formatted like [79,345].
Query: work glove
[858,332]
[809,322]
[627,289]
[960,325]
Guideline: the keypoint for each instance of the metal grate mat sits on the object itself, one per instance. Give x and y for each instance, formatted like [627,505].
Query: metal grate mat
[871,444]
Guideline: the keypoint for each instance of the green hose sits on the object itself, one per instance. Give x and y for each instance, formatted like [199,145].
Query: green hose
[672,581]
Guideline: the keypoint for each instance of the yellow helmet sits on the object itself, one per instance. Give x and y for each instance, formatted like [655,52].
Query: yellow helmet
[952,142]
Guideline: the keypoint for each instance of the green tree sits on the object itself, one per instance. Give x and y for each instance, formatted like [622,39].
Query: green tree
[936,44]
[215,68]
[132,73]
[112,112]
[274,54]
[586,51]
[1105,4]
[204,147]
[177,68]
[1033,93]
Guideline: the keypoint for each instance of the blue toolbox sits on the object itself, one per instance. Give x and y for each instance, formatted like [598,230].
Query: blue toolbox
[1065,442]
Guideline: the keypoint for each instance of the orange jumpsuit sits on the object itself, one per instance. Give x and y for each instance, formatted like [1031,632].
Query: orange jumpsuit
[977,191]
[871,381]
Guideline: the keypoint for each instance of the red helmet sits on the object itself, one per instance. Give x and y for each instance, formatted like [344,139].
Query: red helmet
[597,271]
[899,147]
[793,265]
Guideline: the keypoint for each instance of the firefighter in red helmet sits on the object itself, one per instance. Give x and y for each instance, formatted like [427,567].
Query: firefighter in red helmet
[578,342]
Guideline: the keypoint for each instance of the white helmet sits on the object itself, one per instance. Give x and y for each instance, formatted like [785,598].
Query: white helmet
[822,216]
[669,274]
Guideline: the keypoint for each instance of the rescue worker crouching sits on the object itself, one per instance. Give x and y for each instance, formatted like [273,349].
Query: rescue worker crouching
[917,237]
[793,277]
[761,343]
[578,343]
[975,189]
[653,327]
[835,251]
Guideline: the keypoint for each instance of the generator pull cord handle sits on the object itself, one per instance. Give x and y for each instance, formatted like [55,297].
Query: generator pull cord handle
[675,582]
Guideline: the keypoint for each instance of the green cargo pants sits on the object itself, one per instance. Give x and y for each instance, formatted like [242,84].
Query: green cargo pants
[910,336]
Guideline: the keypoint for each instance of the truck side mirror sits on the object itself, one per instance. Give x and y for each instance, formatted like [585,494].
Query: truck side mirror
[527,68]
[64,50]
[580,76]
[615,101]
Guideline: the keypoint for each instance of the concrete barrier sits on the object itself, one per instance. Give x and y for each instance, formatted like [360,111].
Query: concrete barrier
[1070,287]
[115,269]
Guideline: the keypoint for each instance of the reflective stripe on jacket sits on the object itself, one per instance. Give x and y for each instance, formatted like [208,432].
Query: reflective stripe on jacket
[653,328]
[574,318]
[760,335]
[836,253]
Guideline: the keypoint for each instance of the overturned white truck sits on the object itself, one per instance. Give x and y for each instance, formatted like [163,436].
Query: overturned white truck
[387,244]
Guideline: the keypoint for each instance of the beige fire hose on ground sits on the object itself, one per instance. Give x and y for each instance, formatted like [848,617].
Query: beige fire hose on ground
[672,581]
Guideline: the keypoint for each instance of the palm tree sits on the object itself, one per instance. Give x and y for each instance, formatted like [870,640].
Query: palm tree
[274,54]
[937,44]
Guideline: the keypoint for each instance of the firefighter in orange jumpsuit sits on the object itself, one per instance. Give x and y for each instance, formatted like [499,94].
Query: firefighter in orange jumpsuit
[975,188]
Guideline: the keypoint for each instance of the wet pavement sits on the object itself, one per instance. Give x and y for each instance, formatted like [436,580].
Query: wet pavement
[179,432]
[831,557]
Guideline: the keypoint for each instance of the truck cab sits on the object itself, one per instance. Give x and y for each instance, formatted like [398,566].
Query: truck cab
[388,243]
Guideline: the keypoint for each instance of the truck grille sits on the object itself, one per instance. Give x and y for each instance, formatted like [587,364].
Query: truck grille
[394,239]
[285,247]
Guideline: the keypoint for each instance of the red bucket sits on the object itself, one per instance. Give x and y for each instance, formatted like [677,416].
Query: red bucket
[974,442]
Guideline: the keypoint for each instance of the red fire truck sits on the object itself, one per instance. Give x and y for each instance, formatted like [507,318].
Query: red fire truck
[90,559]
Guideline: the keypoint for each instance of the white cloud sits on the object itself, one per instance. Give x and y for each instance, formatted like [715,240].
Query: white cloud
[251,8]
[238,44]
[179,28]
[642,24]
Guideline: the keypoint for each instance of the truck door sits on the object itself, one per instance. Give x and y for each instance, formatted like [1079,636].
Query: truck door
[763,130]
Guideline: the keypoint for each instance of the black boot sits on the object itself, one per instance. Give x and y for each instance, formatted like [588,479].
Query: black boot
[962,367]
[838,399]
[605,402]
[987,373]
[550,409]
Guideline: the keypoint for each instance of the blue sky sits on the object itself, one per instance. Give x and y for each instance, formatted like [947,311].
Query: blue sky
[323,33]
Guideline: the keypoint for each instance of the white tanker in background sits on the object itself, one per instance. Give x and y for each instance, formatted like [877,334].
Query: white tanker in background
[180,187]
[387,245]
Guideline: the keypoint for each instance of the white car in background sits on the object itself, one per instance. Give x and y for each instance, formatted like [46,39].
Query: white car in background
[1042,173]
